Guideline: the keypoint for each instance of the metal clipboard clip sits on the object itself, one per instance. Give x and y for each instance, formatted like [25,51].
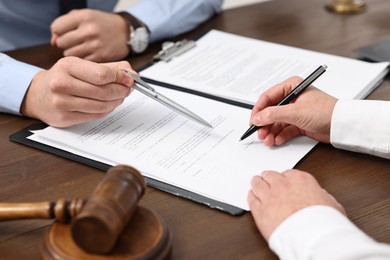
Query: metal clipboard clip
[173,49]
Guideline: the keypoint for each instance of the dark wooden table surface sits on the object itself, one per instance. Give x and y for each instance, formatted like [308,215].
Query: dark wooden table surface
[360,182]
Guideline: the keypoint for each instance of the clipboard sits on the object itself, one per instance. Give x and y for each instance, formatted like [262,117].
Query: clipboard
[172,50]
[169,50]
[22,138]
[376,52]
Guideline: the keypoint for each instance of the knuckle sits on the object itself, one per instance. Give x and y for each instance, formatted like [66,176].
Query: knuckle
[65,63]
[91,30]
[296,78]
[103,107]
[104,54]
[294,81]
[103,93]
[302,174]
[124,64]
[85,14]
[57,85]
[59,105]
[268,113]
[96,116]
[102,75]
[62,120]
[94,45]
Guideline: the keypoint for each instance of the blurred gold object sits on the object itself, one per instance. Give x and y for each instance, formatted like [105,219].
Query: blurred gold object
[346,6]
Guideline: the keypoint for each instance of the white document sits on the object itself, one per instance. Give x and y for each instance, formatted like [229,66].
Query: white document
[168,147]
[241,68]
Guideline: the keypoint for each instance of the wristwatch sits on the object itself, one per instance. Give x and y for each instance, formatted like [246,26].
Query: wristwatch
[139,33]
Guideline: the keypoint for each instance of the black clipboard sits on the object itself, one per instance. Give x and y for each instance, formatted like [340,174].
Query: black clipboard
[175,50]
[376,52]
[22,138]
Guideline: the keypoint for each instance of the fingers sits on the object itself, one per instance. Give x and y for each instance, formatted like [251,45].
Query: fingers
[278,134]
[82,51]
[53,40]
[282,135]
[91,34]
[253,201]
[276,196]
[85,105]
[77,91]
[266,113]
[81,42]
[73,33]
[66,23]
[96,74]
[69,40]
[261,184]
[120,73]
[273,95]
[273,114]
[91,87]
[74,118]
[336,204]
[257,193]
[79,88]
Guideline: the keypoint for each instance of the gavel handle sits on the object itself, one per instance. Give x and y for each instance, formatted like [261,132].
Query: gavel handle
[62,210]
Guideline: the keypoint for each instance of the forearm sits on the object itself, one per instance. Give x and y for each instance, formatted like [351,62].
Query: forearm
[321,232]
[15,78]
[168,18]
[362,126]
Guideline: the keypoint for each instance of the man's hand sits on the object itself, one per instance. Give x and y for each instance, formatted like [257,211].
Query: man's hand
[92,35]
[74,91]
[275,196]
[310,114]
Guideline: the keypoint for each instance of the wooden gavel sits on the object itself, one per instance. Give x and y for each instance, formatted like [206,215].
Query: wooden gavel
[96,223]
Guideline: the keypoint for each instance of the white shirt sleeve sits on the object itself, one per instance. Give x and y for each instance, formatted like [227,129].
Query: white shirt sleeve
[169,18]
[15,78]
[362,126]
[322,232]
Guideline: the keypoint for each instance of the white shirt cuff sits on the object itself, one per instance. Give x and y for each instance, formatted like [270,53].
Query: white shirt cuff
[322,232]
[362,126]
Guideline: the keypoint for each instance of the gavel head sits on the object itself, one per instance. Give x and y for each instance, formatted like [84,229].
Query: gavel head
[108,210]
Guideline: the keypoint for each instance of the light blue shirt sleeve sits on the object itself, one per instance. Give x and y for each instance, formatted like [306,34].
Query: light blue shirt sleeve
[169,18]
[15,78]
[25,23]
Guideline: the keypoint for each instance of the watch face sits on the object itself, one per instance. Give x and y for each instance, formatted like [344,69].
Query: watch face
[139,40]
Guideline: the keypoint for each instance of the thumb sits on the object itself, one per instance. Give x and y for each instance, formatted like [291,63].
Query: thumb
[270,115]
[121,77]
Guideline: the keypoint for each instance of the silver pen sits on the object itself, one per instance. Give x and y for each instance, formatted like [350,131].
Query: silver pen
[146,89]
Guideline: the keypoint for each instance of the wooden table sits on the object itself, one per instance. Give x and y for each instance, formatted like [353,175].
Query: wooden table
[360,182]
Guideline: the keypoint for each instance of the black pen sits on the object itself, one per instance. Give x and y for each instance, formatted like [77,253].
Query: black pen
[291,96]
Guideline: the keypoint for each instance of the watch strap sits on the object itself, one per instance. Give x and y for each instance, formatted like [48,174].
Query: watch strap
[132,20]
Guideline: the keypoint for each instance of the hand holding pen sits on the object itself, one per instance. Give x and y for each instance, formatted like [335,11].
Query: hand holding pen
[310,114]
